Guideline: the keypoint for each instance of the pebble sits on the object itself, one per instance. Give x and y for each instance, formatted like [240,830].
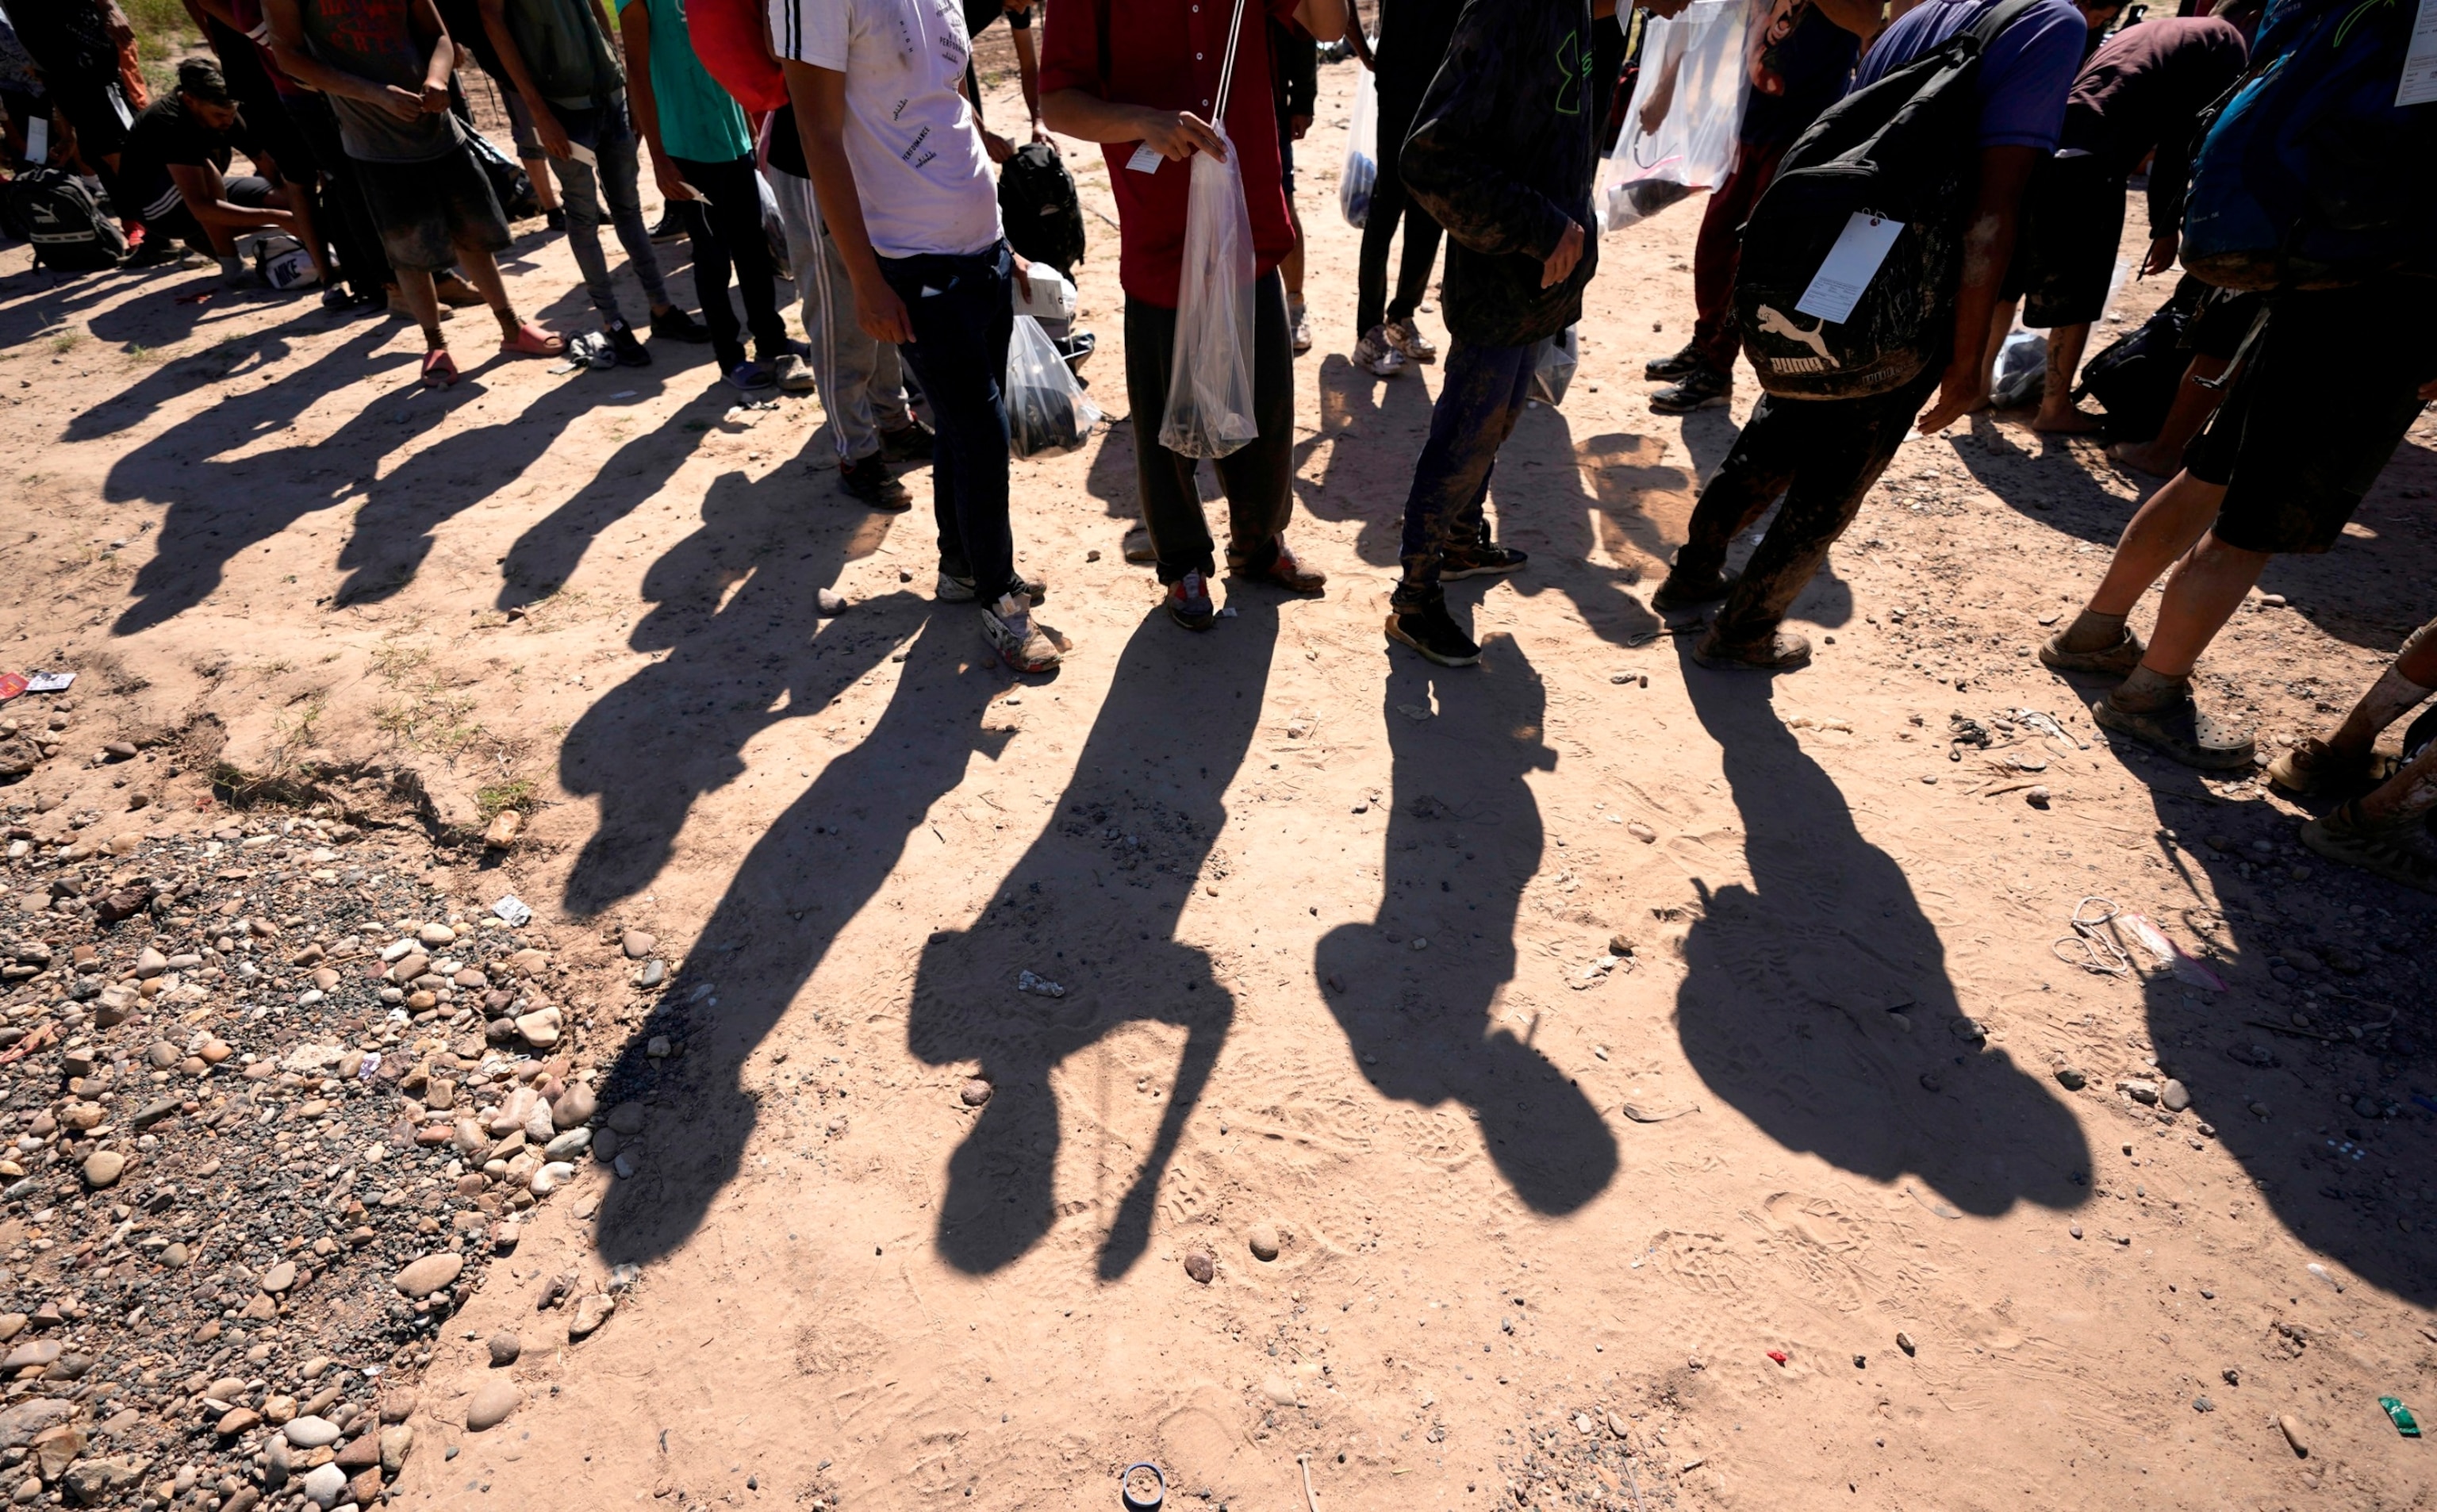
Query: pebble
[429,1274]
[1904,1342]
[103,1169]
[2071,1079]
[574,1106]
[435,936]
[396,1441]
[626,1118]
[505,1348]
[1198,1265]
[279,1277]
[638,946]
[311,1433]
[2174,1097]
[831,600]
[592,1309]
[1263,1242]
[1279,1390]
[2293,1435]
[493,1400]
[976,1093]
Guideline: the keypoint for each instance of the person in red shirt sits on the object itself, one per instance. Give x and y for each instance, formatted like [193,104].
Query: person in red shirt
[1141,79]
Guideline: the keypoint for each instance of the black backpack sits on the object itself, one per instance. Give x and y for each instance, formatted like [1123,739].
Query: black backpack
[2136,378]
[69,229]
[510,185]
[1902,149]
[1037,200]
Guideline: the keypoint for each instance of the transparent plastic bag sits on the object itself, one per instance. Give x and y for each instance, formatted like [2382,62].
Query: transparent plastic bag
[1553,367]
[1688,107]
[2022,370]
[1361,155]
[1210,383]
[1046,409]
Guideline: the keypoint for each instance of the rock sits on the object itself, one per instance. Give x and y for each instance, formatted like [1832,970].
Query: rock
[2293,1435]
[429,1274]
[2201,1404]
[103,1169]
[606,1144]
[2302,960]
[365,1489]
[433,936]
[1279,1389]
[549,1177]
[638,946]
[654,972]
[277,1464]
[567,1146]
[2071,1079]
[1969,1031]
[397,1442]
[503,829]
[493,1400]
[1904,1342]
[325,1485]
[627,1118]
[19,1424]
[831,601]
[574,1106]
[398,1405]
[976,1093]
[91,1483]
[2143,1092]
[279,1410]
[507,1236]
[505,1348]
[150,963]
[1263,1242]
[56,1448]
[592,1309]
[2174,1097]
[1198,1265]
[237,1421]
[311,1433]
[539,1028]
[279,1277]
[38,1352]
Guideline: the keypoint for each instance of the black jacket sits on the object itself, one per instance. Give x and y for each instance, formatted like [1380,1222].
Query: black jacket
[1502,153]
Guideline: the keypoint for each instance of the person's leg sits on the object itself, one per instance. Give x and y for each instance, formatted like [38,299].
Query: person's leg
[1482,394]
[706,228]
[621,188]
[960,349]
[736,210]
[1758,469]
[580,193]
[2058,413]
[1418,254]
[2196,399]
[1379,237]
[1258,476]
[1171,500]
[2168,523]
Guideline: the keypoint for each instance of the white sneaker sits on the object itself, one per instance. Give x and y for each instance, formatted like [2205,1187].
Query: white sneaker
[1301,327]
[1373,354]
[1008,626]
[1407,338]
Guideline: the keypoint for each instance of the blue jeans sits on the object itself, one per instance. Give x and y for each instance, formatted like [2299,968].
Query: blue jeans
[1480,399]
[611,138]
[962,314]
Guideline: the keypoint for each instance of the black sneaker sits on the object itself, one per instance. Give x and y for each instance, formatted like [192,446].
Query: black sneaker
[672,225]
[910,442]
[1668,369]
[870,481]
[1701,388]
[1683,593]
[1479,559]
[955,585]
[630,351]
[1433,632]
[555,218]
[677,325]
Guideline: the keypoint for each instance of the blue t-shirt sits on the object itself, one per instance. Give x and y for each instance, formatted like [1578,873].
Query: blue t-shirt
[2023,78]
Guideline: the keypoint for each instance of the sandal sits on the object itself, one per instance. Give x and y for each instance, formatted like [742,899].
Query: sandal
[2382,850]
[2181,731]
[2316,768]
[531,341]
[439,369]
[2117,660]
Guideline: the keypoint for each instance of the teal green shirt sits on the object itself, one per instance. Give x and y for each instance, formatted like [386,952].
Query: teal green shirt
[698,119]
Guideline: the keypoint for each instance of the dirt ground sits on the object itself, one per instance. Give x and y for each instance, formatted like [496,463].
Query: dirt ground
[1750,1217]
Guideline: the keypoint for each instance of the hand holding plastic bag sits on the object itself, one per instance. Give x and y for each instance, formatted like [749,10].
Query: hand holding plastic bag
[1046,409]
[1680,132]
[1361,155]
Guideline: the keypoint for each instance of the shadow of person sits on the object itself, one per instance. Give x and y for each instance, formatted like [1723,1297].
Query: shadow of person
[1464,840]
[808,875]
[1374,430]
[1094,906]
[1817,1002]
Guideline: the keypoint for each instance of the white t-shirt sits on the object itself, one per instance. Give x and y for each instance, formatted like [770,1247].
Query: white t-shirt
[919,168]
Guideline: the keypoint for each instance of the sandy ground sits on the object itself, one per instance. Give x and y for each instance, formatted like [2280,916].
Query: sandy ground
[1322,918]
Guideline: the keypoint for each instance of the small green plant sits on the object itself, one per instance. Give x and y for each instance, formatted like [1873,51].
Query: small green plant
[515,793]
[66,342]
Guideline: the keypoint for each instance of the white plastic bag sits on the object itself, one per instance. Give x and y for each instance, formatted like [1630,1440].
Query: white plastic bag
[1553,367]
[2022,370]
[1210,383]
[1046,410]
[1361,155]
[1688,107]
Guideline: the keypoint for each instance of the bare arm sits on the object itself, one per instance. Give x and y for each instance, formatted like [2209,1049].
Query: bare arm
[1028,75]
[1323,19]
[442,63]
[634,30]
[819,98]
[288,45]
[1173,134]
[1860,17]
[1988,246]
[546,127]
[207,196]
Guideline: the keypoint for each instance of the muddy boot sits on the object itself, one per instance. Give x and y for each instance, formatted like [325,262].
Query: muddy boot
[1683,590]
[2159,712]
[2390,850]
[2315,767]
[1770,651]
[2094,643]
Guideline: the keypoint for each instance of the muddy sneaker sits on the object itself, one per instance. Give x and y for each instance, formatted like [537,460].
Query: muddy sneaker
[1779,651]
[1373,354]
[1430,630]
[1681,592]
[1701,388]
[1008,626]
[910,442]
[2178,729]
[2116,659]
[1407,338]
[868,481]
[1668,369]
[1299,329]
[2316,768]
[2391,850]
[1188,601]
[955,585]
[1479,559]
[794,375]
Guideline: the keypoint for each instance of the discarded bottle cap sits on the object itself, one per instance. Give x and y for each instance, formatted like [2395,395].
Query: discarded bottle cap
[1143,1488]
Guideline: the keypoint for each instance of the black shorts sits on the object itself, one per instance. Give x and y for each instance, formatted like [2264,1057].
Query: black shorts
[2222,321]
[96,108]
[2064,256]
[2324,398]
[426,211]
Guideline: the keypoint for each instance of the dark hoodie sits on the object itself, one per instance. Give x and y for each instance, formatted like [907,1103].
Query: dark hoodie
[1501,154]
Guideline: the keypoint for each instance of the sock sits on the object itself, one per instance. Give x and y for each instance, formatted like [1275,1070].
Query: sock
[232,267]
[2092,631]
[2144,691]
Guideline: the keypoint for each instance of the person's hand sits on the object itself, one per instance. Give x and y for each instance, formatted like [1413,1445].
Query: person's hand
[1559,265]
[551,135]
[406,104]
[1040,135]
[1178,135]
[882,314]
[673,188]
[998,147]
[2162,253]
[1023,275]
[1297,125]
[1958,395]
[435,98]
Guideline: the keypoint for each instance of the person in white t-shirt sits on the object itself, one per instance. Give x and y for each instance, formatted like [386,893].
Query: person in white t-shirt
[904,184]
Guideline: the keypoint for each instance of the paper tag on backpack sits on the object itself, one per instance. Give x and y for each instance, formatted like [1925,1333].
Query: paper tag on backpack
[1146,160]
[1852,263]
[2419,82]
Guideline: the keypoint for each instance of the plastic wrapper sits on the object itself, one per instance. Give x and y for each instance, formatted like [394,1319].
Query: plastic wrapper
[1681,130]
[1361,155]
[1046,409]
[2022,370]
[1210,383]
[1554,364]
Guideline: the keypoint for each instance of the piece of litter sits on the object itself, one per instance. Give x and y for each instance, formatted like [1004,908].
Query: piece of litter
[1414,712]
[1227,612]
[12,684]
[49,681]
[1778,1354]
[1641,1115]
[1039,986]
[371,1067]
[2323,1275]
[2170,955]
[2045,724]
[1592,975]
[513,909]
[623,394]
[2400,1416]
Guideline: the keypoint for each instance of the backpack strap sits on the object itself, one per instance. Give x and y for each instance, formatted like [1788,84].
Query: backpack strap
[1986,29]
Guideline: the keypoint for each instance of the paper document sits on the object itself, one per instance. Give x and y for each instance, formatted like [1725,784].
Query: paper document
[1146,159]
[584,155]
[2419,83]
[38,142]
[1836,288]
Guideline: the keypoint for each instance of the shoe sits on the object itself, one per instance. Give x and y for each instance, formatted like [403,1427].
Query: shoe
[677,325]
[1283,571]
[672,225]
[2117,660]
[1430,630]
[1299,329]
[1781,651]
[910,442]
[1668,369]
[2181,731]
[792,374]
[455,291]
[1008,626]
[153,251]
[1188,601]
[955,585]
[2383,849]
[2315,768]
[1479,559]
[630,351]
[554,218]
[1373,354]
[337,301]
[1701,388]
[1682,593]
[1407,338]
[751,376]
[869,480]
